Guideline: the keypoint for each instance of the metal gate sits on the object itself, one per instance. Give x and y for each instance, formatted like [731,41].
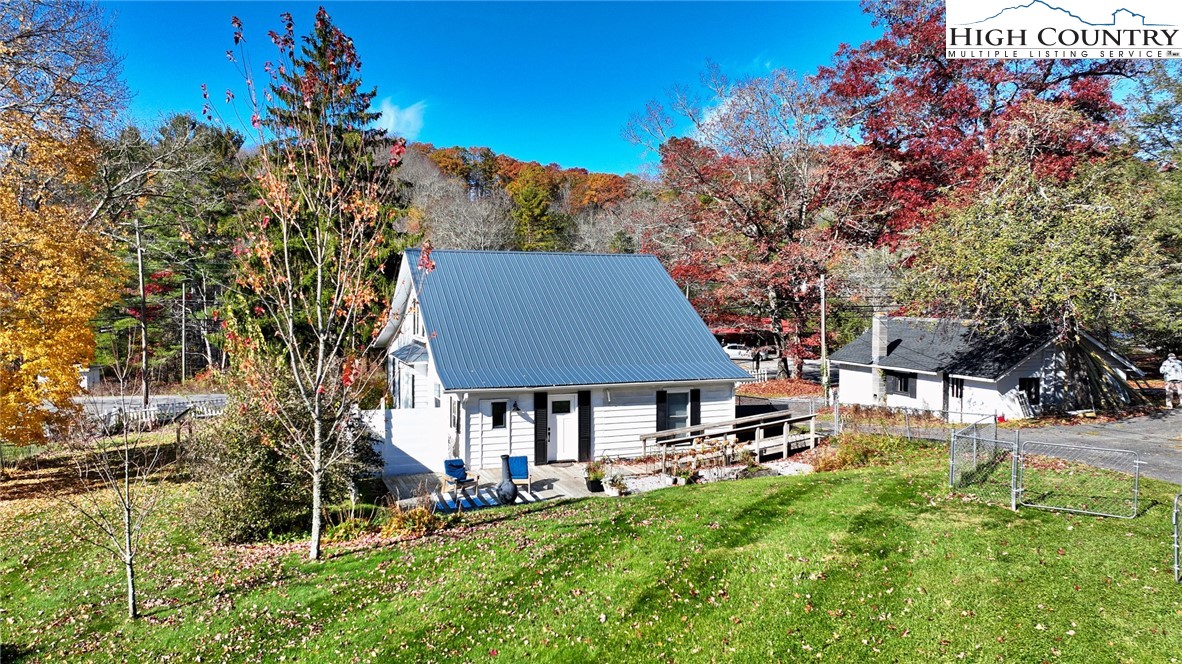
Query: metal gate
[1076,478]
[1068,478]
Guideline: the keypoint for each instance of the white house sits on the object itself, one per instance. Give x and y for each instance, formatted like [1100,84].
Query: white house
[962,372]
[555,356]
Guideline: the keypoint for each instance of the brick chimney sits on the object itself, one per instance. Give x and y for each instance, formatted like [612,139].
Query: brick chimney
[879,341]
[878,338]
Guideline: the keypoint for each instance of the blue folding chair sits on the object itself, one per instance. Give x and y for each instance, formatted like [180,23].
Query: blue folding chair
[457,480]
[519,472]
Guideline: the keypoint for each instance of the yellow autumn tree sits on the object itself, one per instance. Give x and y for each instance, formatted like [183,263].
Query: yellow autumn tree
[57,82]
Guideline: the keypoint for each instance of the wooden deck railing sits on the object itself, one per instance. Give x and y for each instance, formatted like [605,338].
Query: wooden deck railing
[725,435]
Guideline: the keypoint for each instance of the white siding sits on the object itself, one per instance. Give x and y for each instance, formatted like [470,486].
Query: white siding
[632,412]
[981,398]
[857,387]
[929,395]
[619,416]
[484,445]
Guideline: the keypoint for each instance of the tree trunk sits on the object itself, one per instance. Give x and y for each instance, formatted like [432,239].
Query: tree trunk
[139,259]
[129,561]
[317,481]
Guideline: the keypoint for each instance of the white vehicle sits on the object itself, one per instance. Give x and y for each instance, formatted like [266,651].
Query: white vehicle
[737,351]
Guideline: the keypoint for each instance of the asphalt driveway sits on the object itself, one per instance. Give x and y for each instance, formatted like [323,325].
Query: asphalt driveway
[1156,438]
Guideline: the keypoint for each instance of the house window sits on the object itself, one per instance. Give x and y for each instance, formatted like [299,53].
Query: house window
[956,388]
[455,415]
[900,383]
[406,386]
[499,408]
[438,395]
[678,410]
[1031,387]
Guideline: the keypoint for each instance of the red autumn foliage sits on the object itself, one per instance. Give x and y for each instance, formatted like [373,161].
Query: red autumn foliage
[935,119]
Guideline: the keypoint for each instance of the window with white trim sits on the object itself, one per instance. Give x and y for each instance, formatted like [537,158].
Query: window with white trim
[499,411]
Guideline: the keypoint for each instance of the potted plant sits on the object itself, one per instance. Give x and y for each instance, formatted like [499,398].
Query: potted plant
[687,476]
[593,474]
[616,486]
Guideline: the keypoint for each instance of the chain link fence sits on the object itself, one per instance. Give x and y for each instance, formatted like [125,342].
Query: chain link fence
[913,424]
[982,465]
[1066,478]
[1177,565]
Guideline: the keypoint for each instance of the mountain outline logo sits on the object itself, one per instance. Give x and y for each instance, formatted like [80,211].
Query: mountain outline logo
[1012,11]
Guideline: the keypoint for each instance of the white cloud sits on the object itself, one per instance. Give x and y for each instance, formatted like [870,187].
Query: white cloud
[406,122]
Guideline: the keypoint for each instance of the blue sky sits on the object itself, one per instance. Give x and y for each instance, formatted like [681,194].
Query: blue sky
[540,81]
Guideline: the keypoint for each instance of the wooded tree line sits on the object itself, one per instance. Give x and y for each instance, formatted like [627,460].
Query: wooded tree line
[764,184]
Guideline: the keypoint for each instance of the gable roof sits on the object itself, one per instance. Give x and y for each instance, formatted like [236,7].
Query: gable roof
[956,348]
[943,346]
[531,319]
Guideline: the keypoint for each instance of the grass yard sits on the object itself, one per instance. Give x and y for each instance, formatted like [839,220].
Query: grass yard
[871,564]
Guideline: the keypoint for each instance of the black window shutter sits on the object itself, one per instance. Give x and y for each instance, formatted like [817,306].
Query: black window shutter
[541,425]
[585,425]
[662,410]
[695,407]
[911,381]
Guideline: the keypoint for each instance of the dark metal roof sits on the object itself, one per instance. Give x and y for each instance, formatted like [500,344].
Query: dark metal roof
[532,319]
[411,353]
[941,346]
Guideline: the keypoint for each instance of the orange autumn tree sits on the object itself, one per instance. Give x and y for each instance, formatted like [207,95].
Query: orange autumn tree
[56,270]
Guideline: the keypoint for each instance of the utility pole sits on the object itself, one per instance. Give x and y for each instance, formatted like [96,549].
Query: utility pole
[184,306]
[824,346]
[139,261]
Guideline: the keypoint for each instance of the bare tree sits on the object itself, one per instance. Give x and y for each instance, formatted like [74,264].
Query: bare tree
[455,216]
[118,485]
[748,208]
[56,68]
[621,227]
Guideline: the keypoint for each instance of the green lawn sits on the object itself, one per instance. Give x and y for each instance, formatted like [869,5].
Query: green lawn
[878,563]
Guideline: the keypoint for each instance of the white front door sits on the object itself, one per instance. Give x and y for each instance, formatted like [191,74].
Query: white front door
[564,428]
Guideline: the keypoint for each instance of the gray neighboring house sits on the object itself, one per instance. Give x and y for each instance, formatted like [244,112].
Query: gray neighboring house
[556,356]
[957,370]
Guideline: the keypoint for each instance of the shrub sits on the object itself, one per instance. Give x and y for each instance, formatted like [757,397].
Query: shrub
[251,491]
[350,529]
[415,521]
[859,450]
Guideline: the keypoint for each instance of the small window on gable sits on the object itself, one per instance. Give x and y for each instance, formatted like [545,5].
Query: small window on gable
[499,409]
[1030,386]
[956,388]
[898,382]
